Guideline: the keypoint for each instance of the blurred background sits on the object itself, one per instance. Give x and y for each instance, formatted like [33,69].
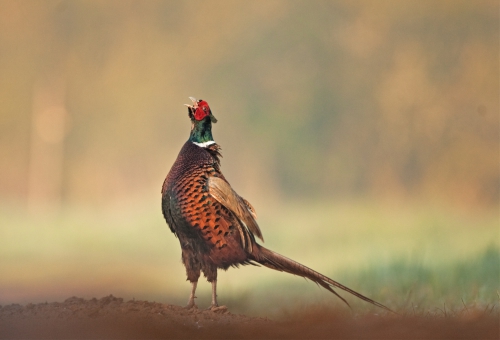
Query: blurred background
[365,134]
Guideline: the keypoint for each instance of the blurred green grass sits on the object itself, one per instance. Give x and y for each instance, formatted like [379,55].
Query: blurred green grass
[407,257]
[420,288]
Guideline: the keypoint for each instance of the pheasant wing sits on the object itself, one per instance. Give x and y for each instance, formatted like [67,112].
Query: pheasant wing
[225,195]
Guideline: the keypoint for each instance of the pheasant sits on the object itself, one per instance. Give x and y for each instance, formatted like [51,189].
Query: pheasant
[215,226]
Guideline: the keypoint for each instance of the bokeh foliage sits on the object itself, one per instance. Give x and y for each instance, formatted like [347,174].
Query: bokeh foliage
[315,99]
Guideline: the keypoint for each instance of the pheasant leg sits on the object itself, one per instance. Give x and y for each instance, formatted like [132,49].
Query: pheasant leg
[191,303]
[214,296]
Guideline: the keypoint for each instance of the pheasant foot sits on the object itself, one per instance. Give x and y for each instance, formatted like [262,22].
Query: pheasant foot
[217,309]
[191,305]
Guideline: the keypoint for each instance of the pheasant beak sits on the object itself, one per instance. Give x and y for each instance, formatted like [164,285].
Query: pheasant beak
[194,106]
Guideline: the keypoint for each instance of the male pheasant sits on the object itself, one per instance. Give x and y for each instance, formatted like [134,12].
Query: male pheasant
[216,227]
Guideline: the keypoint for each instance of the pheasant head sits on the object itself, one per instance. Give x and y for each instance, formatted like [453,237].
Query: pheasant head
[201,121]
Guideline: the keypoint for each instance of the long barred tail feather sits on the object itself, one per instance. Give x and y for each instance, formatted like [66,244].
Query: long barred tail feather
[279,262]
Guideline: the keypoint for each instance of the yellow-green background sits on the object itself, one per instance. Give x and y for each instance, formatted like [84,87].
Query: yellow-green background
[365,134]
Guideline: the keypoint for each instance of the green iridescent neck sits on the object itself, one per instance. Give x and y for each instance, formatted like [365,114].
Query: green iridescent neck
[201,131]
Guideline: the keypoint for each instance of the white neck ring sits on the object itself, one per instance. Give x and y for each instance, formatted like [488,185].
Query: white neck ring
[205,144]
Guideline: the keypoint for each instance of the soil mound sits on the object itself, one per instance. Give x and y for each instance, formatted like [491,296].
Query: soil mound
[112,318]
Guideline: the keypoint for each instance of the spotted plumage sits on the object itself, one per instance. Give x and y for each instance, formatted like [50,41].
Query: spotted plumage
[203,225]
[215,226]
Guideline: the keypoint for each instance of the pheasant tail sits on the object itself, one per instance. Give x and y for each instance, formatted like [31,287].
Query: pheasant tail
[282,263]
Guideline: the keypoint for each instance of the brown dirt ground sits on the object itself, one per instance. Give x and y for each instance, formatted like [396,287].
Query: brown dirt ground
[112,318]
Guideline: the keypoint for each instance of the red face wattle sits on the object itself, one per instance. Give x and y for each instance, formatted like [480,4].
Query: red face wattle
[202,110]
